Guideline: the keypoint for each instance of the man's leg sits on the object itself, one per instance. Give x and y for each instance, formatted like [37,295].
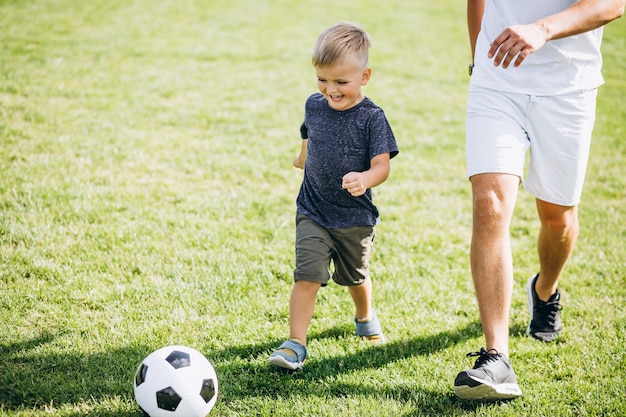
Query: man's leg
[492,377]
[494,197]
[557,238]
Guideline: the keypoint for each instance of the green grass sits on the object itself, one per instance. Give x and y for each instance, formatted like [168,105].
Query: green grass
[147,198]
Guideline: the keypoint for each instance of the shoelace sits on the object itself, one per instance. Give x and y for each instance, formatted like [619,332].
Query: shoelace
[484,356]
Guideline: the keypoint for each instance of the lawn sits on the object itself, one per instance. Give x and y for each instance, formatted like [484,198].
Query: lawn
[147,198]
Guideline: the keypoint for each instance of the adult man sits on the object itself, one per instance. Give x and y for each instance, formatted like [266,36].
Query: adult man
[537,68]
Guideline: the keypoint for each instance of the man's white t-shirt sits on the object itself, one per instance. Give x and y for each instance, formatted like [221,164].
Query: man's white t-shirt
[561,66]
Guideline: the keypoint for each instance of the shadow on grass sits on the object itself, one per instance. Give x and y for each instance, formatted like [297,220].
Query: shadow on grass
[240,379]
[36,381]
[30,380]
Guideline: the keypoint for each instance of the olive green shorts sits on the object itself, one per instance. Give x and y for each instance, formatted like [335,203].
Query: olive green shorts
[349,249]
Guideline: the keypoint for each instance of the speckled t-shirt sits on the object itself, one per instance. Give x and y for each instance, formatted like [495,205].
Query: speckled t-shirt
[340,142]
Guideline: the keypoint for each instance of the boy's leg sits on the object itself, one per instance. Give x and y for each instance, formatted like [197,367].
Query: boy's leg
[313,246]
[365,318]
[313,255]
[301,309]
[292,353]
[362,297]
[353,248]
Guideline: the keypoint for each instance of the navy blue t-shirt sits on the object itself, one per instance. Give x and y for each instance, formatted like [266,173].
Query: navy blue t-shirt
[340,142]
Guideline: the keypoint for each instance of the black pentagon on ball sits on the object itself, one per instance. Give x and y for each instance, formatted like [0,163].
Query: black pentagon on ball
[140,376]
[207,392]
[178,359]
[168,399]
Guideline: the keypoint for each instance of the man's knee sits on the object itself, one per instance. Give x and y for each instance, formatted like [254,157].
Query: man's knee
[494,196]
[492,207]
[558,220]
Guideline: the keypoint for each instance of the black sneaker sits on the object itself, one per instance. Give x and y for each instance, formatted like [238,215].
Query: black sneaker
[545,317]
[492,378]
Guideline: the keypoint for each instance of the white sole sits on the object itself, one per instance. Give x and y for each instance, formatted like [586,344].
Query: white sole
[284,363]
[487,392]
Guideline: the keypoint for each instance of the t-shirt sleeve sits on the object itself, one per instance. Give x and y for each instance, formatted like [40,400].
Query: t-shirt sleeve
[382,139]
[304,132]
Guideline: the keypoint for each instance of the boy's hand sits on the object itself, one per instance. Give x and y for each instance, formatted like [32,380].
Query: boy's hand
[354,183]
[298,162]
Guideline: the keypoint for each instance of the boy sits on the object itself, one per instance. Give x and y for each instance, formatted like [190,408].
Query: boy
[346,147]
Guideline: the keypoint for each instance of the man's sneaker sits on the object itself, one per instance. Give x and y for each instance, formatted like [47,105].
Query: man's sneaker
[545,317]
[492,378]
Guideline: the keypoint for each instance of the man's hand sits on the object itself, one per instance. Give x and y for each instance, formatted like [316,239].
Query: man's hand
[520,41]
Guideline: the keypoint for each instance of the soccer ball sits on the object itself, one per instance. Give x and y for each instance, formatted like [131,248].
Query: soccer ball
[175,381]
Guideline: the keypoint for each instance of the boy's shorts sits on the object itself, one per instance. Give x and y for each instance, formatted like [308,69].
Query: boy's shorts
[501,127]
[348,248]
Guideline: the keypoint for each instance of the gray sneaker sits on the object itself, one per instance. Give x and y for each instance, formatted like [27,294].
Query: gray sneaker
[545,317]
[492,378]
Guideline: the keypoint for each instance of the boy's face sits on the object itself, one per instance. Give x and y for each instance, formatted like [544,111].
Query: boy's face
[341,84]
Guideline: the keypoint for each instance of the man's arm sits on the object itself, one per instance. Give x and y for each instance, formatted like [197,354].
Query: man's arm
[475,10]
[582,17]
[523,40]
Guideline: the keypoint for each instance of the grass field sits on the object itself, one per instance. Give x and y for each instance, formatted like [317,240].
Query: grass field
[147,198]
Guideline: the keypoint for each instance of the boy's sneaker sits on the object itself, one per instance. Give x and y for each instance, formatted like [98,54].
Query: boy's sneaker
[492,378]
[289,355]
[370,329]
[545,316]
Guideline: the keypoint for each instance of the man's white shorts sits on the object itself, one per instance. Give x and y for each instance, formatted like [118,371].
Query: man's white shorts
[501,127]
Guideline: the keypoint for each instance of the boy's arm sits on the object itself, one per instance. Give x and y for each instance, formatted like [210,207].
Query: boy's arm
[301,157]
[358,182]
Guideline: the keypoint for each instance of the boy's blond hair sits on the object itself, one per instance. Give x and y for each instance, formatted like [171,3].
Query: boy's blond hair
[340,44]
